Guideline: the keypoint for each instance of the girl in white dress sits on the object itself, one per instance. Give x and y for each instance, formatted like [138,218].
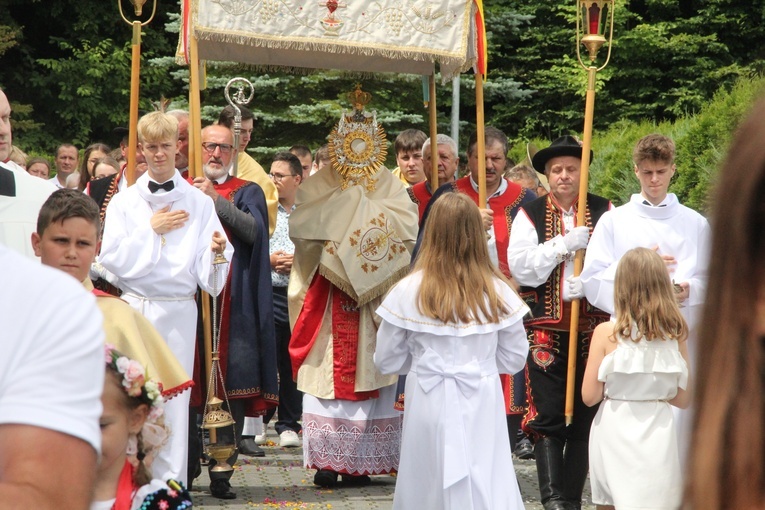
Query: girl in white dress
[638,368]
[452,326]
[132,431]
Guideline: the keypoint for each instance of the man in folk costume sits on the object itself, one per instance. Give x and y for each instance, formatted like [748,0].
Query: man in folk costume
[160,238]
[504,200]
[247,339]
[353,229]
[543,242]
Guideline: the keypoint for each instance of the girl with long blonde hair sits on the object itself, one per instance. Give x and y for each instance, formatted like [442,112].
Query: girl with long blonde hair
[637,369]
[451,326]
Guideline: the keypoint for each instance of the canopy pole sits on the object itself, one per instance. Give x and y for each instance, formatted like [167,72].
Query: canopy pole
[433,133]
[481,140]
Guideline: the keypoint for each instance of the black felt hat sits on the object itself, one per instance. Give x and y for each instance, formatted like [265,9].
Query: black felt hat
[563,146]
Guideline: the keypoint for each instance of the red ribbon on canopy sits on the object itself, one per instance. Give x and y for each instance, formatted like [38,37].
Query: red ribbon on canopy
[482,47]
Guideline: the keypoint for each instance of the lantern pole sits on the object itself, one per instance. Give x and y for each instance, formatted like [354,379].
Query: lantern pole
[592,12]
[135,73]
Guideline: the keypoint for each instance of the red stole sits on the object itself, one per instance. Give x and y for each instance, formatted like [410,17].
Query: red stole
[345,336]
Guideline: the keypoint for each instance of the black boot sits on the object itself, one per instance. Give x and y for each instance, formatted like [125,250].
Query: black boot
[575,466]
[548,452]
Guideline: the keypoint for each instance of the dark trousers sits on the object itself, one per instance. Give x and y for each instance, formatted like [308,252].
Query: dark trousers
[546,386]
[290,399]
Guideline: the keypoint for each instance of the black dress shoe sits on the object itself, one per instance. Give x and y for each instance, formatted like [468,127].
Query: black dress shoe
[524,450]
[221,489]
[356,480]
[247,446]
[325,478]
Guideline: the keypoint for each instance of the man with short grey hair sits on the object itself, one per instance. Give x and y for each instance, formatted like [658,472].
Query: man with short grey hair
[247,341]
[448,163]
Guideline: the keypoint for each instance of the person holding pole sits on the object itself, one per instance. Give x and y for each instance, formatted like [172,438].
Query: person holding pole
[653,219]
[504,200]
[247,338]
[246,167]
[543,240]
[159,239]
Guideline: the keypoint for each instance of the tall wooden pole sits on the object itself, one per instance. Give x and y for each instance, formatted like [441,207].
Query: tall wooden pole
[433,114]
[135,78]
[589,113]
[480,141]
[195,170]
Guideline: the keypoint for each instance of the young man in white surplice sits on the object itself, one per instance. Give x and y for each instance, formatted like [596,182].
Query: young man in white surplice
[160,237]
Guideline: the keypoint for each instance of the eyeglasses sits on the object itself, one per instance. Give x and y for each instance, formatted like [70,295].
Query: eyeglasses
[279,177]
[210,147]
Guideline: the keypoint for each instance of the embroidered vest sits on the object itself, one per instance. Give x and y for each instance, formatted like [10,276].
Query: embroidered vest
[420,195]
[505,207]
[546,300]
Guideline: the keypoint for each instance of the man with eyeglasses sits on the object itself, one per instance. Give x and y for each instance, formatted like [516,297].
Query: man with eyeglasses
[287,174]
[246,167]
[653,219]
[247,342]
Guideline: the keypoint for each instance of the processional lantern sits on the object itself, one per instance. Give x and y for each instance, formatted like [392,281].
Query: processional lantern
[236,100]
[594,18]
[215,417]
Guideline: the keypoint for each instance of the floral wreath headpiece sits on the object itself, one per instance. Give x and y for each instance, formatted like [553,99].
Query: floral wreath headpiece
[134,380]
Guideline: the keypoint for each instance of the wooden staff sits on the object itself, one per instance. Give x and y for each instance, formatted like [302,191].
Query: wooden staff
[480,145]
[589,111]
[433,132]
[135,74]
[195,170]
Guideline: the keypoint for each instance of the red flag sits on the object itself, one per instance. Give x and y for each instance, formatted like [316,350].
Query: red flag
[185,28]
[482,48]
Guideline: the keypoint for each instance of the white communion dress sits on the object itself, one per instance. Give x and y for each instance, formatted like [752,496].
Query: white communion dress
[455,450]
[634,456]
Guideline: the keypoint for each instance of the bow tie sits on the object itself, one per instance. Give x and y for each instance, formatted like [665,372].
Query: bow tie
[167,186]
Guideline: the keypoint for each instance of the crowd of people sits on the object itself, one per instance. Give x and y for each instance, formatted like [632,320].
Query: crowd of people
[384,322]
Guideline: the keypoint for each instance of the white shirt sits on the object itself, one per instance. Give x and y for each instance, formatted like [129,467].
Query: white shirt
[144,264]
[492,241]
[52,342]
[18,215]
[532,262]
[675,229]
[54,180]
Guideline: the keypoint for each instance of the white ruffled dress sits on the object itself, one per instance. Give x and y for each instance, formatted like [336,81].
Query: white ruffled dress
[455,451]
[634,457]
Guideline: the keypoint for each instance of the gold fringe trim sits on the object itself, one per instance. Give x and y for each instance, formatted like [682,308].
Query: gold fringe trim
[442,57]
[378,290]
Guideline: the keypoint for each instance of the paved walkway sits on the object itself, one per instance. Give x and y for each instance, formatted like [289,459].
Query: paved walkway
[279,480]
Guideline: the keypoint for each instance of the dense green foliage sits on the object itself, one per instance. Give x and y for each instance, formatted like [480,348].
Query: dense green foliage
[67,72]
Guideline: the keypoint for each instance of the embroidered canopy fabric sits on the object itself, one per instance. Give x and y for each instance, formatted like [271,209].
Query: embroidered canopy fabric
[399,36]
